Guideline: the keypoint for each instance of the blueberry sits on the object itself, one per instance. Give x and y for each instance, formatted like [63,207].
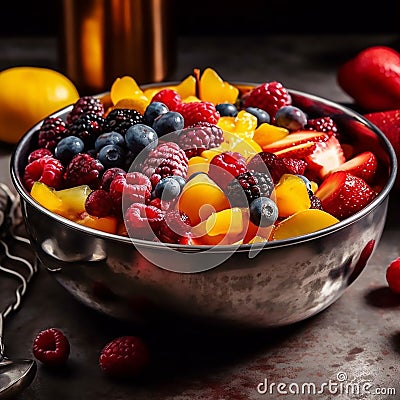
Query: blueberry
[181,181]
[227,110]
[109,138]
[290,117]
[68,147]
[139,136]
[261,115]
[111,156]
[153,110]
[263,212]
[169,122]
[168,188]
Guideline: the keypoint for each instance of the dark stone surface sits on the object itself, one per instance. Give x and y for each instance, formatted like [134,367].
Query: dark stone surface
[359,335]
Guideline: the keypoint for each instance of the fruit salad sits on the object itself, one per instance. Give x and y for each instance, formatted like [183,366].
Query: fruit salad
[200,162]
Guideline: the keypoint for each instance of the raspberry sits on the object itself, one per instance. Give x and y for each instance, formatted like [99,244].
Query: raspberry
[124,357]
[254,184]
[171,98]
[225,166]
[83,169]
[88,127]
[269,96]
[121,119]
[84,105]
[199,137]
[166,159]
[143,221]
[393,275]
[199,111]
[322,124]
[174,227]
[39,153]
[51,347]
[47,170]
[315,202]
[108,177]
[52,130]
[133,187]
[276,166]
[99,203]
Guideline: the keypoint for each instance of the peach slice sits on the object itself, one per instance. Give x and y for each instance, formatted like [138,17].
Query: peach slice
[46,197]
[105,224]
[213,88]
[73,199]
[302,223]
[124,88]
[266,134]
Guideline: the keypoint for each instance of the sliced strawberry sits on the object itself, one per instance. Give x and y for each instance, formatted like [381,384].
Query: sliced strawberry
[343,194]
[297,151]
[363,165]
[296,138]
[326,157]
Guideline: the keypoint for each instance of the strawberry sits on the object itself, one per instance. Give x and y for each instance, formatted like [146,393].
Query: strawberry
[372,78]
[363,165]
[297,151]
[327,156]
[343,194]
[389,123]
[294,139]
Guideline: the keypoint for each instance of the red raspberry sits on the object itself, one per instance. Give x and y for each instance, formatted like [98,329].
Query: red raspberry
[226,166]
[199,137]
[133,187]
[166,159]
[109,175]
[171,98]
[99,203]
[124,357]
[322,124]
[269,96]
[161,204]
[84,105]
[393,275]
[39,153]
[199,111]
[277,166]
[52,130]
[51,347]
[143,221]
[83,169]
[47,170]
[174,226]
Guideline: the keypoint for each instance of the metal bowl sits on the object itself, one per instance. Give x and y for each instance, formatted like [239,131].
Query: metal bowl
[262,285]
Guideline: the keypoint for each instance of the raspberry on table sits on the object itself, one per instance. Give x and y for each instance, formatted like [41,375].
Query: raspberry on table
[51,347]
[246,187]
[88,127]
[199,111]
[85,105]
[47,170]
[121,119]
[171,98]
[124,357]
[52,130]
[83,169]
[166,159]
[143,221]
[269,96]
[199,137]
[393,275]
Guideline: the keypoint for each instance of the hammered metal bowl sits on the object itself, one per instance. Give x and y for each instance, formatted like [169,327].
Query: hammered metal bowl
[262,285]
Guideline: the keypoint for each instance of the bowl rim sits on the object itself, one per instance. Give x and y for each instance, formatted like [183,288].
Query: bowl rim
[383,194]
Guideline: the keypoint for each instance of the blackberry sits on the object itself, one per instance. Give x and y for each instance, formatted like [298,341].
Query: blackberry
[253,184]
[121,119]
[88,127]
[165,160]
[85,105]
[199,137]
[83,170]
[52,130]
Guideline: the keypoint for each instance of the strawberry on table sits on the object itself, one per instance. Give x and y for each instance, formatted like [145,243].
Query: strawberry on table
[343,194]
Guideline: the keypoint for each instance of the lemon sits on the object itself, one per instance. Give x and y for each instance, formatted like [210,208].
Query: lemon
[28,95]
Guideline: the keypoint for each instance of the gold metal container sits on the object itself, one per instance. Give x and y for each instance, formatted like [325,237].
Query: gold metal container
[102,40]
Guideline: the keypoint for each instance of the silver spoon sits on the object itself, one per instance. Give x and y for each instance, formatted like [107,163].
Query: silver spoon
[15,375]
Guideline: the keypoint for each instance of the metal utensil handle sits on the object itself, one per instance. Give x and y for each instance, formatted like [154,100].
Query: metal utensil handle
[8,226]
